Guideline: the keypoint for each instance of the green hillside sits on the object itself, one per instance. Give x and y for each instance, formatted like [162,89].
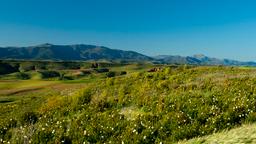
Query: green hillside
[166,105]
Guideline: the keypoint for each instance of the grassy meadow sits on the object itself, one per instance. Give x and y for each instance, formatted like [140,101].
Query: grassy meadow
[129,104]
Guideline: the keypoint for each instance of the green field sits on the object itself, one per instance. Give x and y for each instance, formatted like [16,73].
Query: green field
[172,104]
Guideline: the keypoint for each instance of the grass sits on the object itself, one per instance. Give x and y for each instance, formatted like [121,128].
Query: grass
[243,134]
[8,87]
[133,67]
[247,67]
[26,95]
[7,84]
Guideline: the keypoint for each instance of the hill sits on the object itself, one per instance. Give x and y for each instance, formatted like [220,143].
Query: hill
[200,59]
[69,52]
[172,104]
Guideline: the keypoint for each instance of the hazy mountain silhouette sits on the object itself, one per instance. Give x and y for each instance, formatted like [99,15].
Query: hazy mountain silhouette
[200,59]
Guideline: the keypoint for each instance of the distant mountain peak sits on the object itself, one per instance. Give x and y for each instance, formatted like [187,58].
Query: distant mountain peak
[45,45]
[199,56]
[201,59]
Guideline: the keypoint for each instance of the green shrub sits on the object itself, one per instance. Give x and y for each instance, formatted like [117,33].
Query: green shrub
[29,118]
[123,73]
[110,74]
[86,72]
[40,66]
[101,70]
[27,66]
[7,68]
[22,76]
[49,74]
[85,97]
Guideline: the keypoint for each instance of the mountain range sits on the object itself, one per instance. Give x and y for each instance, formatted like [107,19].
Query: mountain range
[200,59]
[81,52]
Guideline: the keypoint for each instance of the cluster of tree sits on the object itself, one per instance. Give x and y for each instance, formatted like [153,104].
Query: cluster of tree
[113,74]
[6,68]
[50,74]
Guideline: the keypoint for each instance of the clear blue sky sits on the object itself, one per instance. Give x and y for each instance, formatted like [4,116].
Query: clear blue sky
[217,28]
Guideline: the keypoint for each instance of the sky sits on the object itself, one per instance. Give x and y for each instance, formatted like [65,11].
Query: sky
[216,28]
